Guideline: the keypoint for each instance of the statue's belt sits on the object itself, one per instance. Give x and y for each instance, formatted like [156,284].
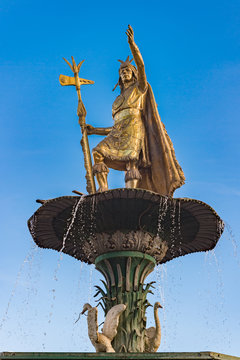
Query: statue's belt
[125,113]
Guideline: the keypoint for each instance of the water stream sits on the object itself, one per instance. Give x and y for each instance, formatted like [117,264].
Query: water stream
[27,261]
[232,238]
[161,280]
[215,301]
[173,227]
[76,301]
[72,219]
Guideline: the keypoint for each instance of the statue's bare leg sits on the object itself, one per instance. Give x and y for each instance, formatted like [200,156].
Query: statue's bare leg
[100,170]
[133,175]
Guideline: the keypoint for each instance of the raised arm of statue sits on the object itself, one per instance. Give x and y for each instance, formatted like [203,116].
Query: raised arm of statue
[142,80]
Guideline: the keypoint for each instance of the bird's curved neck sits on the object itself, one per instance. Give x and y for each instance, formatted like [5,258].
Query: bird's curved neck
[86,308]
[156,318]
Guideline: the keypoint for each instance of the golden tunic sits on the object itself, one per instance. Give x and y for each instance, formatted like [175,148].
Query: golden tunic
[126,142]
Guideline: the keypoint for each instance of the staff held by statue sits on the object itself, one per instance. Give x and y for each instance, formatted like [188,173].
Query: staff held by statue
[81,112]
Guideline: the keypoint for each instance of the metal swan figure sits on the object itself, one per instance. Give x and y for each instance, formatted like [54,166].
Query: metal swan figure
[153,334]
[102,341]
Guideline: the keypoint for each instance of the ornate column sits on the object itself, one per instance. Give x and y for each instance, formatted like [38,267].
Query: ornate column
[125,272]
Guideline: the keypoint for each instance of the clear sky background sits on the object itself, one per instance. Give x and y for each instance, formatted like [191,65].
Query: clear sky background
[192,58]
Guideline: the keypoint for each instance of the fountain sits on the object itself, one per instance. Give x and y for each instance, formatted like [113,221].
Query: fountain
[126,232]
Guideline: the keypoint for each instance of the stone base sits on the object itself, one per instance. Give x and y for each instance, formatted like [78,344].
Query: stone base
[101,356]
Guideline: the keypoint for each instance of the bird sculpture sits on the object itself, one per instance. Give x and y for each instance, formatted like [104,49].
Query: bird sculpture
[102,341]
[153,334]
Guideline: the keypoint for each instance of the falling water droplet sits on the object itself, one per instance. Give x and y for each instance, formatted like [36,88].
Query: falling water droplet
[90,284]
[173,227]
[162,210]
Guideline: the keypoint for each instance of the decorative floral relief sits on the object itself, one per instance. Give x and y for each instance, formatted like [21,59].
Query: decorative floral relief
[119,241]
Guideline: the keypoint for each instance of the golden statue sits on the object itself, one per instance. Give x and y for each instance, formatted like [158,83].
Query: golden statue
[138,142]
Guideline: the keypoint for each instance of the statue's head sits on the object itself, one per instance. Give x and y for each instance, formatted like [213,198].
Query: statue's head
[127,73]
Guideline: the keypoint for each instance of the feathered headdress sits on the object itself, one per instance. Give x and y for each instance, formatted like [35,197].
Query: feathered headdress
[126,63]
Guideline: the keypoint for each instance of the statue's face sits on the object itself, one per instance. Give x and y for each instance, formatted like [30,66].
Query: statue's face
[126,74]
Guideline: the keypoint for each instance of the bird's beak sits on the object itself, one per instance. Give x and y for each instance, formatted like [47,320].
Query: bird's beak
[84,310]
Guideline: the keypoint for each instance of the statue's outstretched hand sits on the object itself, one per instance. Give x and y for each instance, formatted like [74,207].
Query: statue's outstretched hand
[90,129]
[130,34]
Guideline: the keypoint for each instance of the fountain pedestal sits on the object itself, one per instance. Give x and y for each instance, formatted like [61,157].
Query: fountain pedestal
[125,232]
[125,272]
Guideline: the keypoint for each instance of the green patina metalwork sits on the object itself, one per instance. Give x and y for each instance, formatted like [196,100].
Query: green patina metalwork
[125,272]
[116,254]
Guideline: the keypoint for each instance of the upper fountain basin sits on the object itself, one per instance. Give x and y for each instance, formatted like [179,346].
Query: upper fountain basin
[125,219]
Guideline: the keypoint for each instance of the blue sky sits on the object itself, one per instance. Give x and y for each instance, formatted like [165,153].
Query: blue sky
[192,60]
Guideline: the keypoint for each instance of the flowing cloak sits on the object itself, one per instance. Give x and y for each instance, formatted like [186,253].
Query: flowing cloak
[164,175]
